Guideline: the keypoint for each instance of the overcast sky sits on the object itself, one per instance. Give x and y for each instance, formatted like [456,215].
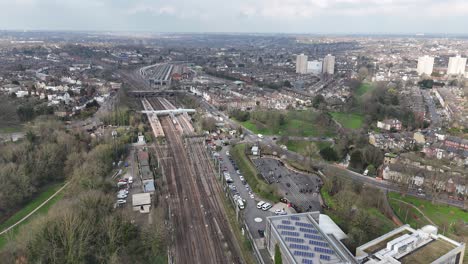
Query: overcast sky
[288,16]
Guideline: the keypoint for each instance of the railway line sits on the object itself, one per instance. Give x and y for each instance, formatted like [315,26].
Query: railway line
[201,232]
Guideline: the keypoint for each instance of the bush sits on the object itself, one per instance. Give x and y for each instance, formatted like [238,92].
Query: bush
[329,154]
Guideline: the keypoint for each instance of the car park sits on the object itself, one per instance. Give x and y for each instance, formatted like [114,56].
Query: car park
[260,204]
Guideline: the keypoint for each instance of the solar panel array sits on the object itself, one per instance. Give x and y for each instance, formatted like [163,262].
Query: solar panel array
[298,246]
[303,254]
[293,231]
[294,239]
[315,237]
[286,227]
[289,233]
[295,218]
[308,230]
[304,224]
[318,243]
[324,250]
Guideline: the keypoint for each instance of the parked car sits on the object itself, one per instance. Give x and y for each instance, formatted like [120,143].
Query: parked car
[121,201]
[130,179]
[261,233]
[280,212]
[260,204]
[121,196]
[266,206]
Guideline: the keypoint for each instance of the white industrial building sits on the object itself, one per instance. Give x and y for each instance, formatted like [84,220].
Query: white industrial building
[314,67]
[328,64]
[406,245]
[306,238]
[425,65]
[456,65]
[301,64]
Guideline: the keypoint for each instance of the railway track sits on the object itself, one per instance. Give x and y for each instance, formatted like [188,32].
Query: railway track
[201,232]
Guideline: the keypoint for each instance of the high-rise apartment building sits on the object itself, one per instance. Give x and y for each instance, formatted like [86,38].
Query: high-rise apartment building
[425,65]
[328,64]
[301,64]
[457,65]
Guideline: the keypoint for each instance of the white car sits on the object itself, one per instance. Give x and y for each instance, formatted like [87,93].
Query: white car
[227,153]
[121,196]
[130,180]
[260,204]
[266,206]
[121,201]
[238,172]
[280,212]
[260,136]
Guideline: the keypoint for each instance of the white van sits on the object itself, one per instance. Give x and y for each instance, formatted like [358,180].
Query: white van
[266,206]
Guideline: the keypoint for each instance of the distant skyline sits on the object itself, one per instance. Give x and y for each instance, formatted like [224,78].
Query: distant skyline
[268,16]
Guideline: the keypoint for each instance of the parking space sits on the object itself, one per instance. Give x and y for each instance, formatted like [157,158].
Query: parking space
[255,218]
[301,190]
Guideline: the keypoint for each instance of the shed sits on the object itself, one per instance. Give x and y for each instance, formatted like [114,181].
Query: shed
[141,202]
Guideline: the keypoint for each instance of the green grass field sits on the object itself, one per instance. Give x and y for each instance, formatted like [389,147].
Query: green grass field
[27,209]
[294,126]
[347,120]
[364,88]
[300,146]
[438,213]
[10,129]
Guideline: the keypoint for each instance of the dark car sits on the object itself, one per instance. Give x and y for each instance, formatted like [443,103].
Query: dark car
[261,233]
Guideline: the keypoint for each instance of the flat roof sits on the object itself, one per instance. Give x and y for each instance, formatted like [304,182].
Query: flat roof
[305,241]
[141,199]
[428,253]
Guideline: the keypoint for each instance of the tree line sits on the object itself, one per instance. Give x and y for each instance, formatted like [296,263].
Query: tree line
[84,226]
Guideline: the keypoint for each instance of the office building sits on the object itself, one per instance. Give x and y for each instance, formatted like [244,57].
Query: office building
[306,238]
[457,65]
[314,67]
[328,64]
[406,245]
[301,64]
[425,65]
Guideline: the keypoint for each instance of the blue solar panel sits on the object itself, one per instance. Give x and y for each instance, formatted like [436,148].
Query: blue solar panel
[323,250]
[286,227]
[289,233]
[308,230]
[304,224]
[294,239]
[307,261]
[297,246]
[318,243]
[286,222]
[325,257]
[316,237]
[295,218]
[303,254]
